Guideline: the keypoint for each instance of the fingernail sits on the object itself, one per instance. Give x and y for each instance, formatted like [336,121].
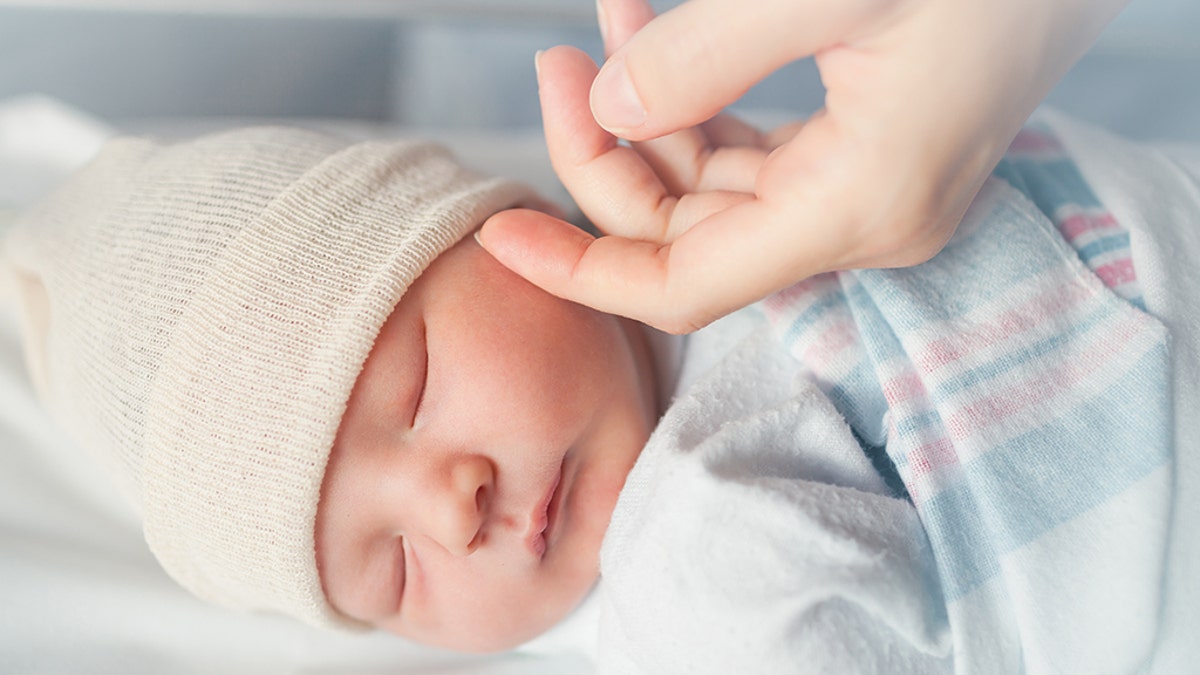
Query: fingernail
[477,239]
[537,62]
[615,102]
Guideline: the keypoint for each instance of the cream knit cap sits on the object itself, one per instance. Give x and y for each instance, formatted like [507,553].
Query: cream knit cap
[197,315]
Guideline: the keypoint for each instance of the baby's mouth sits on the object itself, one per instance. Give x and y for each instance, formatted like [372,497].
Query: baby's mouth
[544,517]
[556,498]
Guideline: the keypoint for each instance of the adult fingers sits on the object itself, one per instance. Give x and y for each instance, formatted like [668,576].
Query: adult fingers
[620,19]
[737,254]
[781,134]
[722,251]
[624,191]
[686,162]
[687,64]
[609,182]
[673,157]
[710,252]
[729,130]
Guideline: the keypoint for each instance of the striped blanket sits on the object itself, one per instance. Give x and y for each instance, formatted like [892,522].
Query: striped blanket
[1016,392]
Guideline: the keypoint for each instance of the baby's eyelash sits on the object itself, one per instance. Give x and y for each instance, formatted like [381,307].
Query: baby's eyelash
[401,572]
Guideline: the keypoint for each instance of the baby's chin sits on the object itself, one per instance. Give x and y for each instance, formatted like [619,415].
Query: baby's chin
[486,640]
[477,635]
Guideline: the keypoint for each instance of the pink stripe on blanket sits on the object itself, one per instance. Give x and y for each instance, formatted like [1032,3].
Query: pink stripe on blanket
[830,342]
[777,304]
[904,387]
[1117,273]
[1024,316]
[1079,223]
[931,457]
[1044,386]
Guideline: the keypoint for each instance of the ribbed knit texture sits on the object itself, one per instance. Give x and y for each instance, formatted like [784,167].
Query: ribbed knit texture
[197,315]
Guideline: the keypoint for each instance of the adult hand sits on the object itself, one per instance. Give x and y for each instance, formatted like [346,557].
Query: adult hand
[922,98]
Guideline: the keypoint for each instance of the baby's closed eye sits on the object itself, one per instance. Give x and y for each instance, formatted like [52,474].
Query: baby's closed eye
[421,379]
[399,573]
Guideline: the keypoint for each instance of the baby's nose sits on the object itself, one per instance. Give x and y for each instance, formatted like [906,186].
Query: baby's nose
[457,516]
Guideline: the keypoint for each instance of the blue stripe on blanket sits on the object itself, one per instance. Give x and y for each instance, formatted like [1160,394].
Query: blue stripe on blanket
[1062,474]
[1048,183]
[1108,244]
[811,314]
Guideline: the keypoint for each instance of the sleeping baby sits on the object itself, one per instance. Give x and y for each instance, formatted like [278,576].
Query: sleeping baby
[329,401]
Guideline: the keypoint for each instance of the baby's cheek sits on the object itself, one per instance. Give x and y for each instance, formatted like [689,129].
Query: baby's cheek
[572,391]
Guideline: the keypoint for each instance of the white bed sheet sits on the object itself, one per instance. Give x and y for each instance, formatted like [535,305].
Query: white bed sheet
[80,591]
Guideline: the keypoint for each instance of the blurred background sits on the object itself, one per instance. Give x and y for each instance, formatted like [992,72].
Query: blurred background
[461,63]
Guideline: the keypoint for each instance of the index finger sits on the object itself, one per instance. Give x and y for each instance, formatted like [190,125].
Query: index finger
[610,183]
[626,191]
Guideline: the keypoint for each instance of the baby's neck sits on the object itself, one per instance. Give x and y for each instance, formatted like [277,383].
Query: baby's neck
[656,363]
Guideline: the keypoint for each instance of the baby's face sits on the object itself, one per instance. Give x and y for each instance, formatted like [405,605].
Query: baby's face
[480,458]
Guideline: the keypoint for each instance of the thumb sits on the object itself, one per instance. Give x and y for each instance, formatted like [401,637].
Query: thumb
[689,63]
